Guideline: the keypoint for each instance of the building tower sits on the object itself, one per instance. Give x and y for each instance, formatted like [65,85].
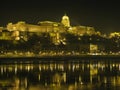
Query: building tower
[65,21]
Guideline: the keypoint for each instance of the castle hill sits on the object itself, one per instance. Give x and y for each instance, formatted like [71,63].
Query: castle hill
[49,38]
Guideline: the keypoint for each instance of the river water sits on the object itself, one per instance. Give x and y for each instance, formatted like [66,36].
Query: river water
[60,75]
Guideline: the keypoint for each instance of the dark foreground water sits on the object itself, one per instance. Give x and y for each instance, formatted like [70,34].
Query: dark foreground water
[60,75]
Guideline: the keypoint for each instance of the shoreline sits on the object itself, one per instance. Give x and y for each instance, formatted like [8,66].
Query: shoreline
[58,59]
[82,56]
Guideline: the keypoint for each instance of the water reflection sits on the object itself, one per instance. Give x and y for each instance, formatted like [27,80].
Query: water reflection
[73,75]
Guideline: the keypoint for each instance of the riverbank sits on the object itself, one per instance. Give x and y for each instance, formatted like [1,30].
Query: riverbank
[81,56]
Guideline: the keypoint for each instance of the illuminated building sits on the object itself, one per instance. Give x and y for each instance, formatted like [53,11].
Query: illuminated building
[56,31]
[114,34]
[82,30]
[49,26]
[65,21]
[5,35]
[45,26]
[53,28]
[93,48]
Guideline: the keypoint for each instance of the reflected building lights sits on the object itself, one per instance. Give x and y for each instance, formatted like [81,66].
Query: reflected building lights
[91,79]
[64,77]
[89,65]
[16,69]
[4,69]
[118,80]
[17,83]
[55,66]
[39,77]
[31,67]
[26,83]
[80,80]
[21,67]
[98,78]
[73,67]
[10,69]
[111,67]
[69,67]
[114,80]
[119,67]
[61,67]
[76,83]
[83,67]
[1,70]
[102,67]
[51,68]
[77,66]
[44,67]
[105,80]
[39,67]
[45,83]
[58,74]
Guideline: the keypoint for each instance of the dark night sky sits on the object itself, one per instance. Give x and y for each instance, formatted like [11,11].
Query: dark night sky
[104,16]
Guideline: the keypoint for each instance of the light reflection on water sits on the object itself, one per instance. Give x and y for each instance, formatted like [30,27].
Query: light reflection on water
[60,75]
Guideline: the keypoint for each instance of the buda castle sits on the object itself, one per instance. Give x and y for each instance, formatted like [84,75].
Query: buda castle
[53,28]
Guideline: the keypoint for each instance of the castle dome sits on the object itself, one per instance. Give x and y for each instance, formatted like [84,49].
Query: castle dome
[65,17]
[65,21]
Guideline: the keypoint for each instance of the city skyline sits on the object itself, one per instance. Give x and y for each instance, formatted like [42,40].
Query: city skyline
[104,16]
